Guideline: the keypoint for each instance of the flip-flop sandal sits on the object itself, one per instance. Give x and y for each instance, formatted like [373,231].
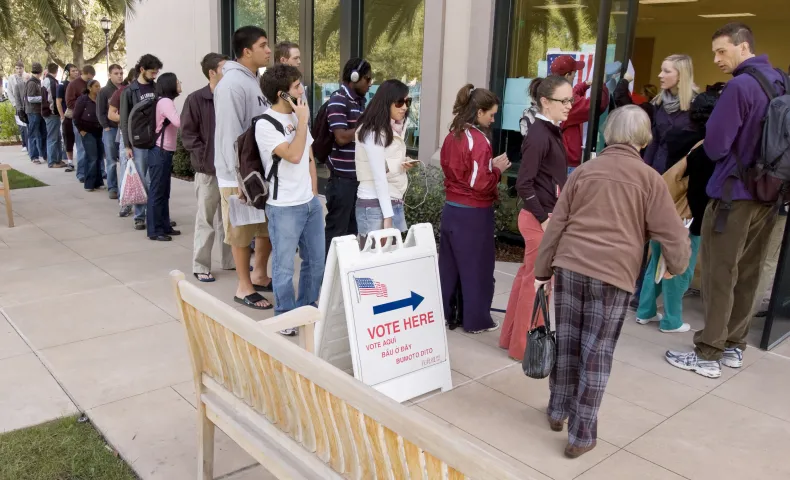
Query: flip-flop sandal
[251,300]
[208,277]
[264,288]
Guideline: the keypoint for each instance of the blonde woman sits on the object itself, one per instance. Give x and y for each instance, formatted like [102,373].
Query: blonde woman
[672,107]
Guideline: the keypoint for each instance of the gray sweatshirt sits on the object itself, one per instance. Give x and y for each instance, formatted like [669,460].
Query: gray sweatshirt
[237,100]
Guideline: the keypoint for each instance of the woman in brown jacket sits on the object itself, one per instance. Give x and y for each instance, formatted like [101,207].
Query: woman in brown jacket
[608,209]
[543,171]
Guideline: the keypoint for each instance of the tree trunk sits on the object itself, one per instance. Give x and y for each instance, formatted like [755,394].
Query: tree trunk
[78,46]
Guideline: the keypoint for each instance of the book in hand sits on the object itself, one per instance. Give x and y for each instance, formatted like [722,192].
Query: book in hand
[661,268]
[243,214]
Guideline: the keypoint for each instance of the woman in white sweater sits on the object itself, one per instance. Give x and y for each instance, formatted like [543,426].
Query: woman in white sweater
[381,160]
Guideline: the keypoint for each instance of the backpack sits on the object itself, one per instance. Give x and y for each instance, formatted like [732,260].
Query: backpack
[142,124]
[253,180]
[527,119]
[323,139]
[768,180]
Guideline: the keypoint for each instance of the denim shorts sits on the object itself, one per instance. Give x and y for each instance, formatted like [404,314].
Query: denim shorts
[370,219]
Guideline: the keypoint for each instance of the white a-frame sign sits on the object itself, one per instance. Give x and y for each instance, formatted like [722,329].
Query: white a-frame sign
[381,313]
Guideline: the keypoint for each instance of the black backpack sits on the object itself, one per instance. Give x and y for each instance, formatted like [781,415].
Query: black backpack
[323,139]
[253,179]
[142,124]
[768,179]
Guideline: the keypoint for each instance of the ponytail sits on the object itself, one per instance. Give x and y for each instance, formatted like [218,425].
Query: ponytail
[467,103]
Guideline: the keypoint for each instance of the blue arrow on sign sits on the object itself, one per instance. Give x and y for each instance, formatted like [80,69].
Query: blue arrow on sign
[413,301]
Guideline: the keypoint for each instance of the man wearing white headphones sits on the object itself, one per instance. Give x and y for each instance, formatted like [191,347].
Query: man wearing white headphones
[344,109]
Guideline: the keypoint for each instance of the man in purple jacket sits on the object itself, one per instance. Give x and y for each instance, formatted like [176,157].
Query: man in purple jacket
[734,249]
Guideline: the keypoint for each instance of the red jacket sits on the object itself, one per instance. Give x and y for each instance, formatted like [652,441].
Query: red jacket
[573,127]
[469,175]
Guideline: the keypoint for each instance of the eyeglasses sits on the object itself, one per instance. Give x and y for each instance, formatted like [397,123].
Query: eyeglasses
[565,101]
[403,101]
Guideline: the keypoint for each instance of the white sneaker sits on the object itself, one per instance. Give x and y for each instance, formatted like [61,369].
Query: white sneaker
[289,332]
[689,361]
[645,321]
[683,328]
[24,149]
[491,329]
[732,357]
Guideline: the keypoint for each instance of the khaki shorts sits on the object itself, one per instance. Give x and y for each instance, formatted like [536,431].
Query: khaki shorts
[239,236]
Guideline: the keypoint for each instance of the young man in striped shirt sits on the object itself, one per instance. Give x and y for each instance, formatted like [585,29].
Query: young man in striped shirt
[344,109]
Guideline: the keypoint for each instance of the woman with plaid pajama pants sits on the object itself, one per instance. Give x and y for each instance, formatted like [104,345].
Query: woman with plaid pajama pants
[594,244]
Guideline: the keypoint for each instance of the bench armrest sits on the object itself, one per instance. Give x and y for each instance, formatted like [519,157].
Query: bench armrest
[303,318]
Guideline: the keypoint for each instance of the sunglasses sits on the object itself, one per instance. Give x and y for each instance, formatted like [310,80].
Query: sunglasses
[403,101]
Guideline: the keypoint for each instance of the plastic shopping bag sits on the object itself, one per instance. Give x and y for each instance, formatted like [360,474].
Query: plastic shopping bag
[541,351]
[132,187]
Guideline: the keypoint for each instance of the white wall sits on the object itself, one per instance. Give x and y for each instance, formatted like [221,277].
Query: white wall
[179,33]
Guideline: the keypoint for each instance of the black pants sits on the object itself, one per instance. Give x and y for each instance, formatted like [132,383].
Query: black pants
[160,164]
[341,204]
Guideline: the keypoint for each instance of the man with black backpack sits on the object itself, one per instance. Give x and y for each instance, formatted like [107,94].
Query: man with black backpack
[142,88]
[237,100]
[49,110]
[37,130]
[296,216]
[746,190]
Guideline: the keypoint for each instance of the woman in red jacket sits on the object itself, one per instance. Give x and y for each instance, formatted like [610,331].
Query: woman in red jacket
[471,176]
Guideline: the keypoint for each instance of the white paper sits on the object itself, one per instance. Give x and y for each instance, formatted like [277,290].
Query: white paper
[243,214]
[661,268]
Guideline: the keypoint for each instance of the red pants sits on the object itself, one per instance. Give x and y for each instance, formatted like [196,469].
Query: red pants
[518,315]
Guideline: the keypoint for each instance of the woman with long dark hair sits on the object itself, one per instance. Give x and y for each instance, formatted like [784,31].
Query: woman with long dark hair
[160,160]
[543,171]
[381,160]
[466,251]
[87,123]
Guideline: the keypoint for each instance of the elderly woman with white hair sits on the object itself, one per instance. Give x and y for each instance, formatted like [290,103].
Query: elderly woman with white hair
[607,211]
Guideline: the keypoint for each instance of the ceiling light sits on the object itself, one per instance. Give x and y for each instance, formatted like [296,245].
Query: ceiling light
[728,15]
[557,7]
[657,2]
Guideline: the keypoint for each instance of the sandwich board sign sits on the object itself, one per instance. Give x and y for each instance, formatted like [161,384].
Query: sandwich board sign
[381,313]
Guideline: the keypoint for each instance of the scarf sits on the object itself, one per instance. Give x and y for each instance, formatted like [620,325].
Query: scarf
[397,127]
[671,103]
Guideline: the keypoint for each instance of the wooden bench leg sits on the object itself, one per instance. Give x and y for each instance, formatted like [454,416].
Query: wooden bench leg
[7,196]
[205,445]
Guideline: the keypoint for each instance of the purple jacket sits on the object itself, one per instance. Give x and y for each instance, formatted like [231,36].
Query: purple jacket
[663,123]
[736,125]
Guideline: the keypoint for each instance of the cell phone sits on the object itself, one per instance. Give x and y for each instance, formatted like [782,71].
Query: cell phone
[287,97]
[409,160]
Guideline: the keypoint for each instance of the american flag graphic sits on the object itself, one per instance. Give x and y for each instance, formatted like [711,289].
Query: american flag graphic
[367,286]
[582,75]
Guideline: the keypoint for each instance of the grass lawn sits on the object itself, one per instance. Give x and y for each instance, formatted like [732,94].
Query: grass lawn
[63,449]
[19,180]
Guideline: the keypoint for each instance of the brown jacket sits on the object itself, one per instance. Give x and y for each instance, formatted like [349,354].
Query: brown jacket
[197,130]
[606,213]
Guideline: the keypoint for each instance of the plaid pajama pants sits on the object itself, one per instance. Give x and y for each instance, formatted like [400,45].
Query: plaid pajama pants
[590,316]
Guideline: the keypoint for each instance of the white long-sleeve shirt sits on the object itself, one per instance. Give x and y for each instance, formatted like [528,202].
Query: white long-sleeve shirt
[378,167]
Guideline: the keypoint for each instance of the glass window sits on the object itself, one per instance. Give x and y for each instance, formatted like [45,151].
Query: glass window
[287,20]
[249,12]
[326,62]
[392,43]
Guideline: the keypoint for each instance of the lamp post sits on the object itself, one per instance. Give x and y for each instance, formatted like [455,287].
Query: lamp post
[105,25]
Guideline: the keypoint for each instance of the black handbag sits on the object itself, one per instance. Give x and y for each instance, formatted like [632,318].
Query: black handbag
[541,351]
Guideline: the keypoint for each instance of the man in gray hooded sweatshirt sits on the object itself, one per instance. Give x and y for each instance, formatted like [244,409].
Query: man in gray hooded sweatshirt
[237,100]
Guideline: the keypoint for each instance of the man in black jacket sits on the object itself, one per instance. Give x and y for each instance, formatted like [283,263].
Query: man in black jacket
[141,88]
[197,134]
[49,110]
[110,128]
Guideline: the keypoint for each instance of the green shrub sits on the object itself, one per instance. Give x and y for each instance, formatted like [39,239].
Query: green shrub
[182,167]
[430,210]
[8,127]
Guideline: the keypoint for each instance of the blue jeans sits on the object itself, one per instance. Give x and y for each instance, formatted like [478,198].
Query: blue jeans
[290,227]
[94,156]
[37,136]
[111,158]
[370,219]
[54,140]
[79,154]
[160,163]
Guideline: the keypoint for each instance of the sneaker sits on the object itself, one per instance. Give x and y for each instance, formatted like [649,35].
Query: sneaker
[683,328]
[125,211]
[24,149]
[113,195]
[69,168]
[288,332]
[732,357]
[139,224]
[645,321]
[689,361]
[491,329]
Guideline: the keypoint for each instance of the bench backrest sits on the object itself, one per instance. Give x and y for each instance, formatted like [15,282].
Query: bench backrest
[357,431]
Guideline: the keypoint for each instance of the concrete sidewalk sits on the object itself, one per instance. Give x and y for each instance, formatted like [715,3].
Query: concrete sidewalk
[90,325]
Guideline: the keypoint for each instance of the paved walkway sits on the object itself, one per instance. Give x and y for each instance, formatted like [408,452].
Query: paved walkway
[90,325]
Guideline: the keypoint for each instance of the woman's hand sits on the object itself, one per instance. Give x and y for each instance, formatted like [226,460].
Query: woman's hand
[388,222]
[409,164]
[502,163]
[545,224]
[668,276]
[541,283]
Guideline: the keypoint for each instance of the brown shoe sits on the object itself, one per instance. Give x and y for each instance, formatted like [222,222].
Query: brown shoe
[555,425]
[575,452]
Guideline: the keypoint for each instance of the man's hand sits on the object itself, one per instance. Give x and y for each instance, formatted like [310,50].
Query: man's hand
[628,76]
[301,109]
[107,129]
[83,133]
[588,83]
[129,153]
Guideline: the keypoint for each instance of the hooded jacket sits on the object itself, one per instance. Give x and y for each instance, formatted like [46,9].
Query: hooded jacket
[470,178]
[735,126]
[33,96]
[237,100]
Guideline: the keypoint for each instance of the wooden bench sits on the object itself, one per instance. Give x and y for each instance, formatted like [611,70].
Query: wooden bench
[301,417]
[5,189]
